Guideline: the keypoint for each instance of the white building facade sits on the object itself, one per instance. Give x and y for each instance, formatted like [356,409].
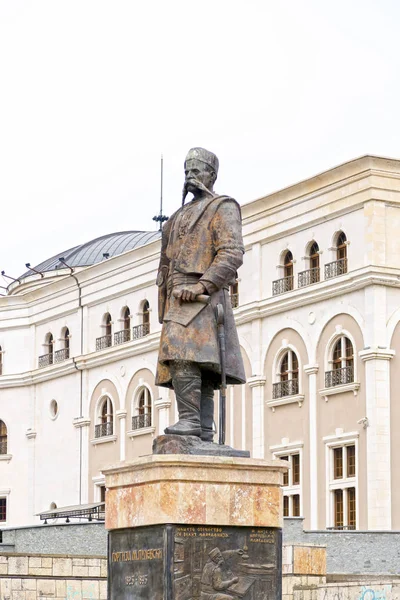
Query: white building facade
[318,312]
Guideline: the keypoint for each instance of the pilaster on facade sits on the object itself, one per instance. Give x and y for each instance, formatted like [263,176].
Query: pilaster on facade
[312,370]
[163,405]
[256,384]
[378,432]
[121,416]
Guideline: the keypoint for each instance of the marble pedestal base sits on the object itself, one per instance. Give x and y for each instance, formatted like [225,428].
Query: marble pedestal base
[194,528]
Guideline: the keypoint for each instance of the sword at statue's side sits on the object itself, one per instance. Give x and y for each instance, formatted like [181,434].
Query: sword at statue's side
[220,316]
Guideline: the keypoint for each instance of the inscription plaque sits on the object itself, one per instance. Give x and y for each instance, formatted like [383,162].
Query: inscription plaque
[180,562]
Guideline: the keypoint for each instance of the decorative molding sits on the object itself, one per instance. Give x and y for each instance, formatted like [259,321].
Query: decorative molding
[289,446]
[142,431]
[30,434]
[103,440]
[256,380]
[298,399]
[339,389]
[376,354]
[121,414]
[340,437]
[6,457]
[81,422]
[162,403]
[311,369]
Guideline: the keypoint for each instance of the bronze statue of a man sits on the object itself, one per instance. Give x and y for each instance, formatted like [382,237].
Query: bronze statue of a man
[202,248]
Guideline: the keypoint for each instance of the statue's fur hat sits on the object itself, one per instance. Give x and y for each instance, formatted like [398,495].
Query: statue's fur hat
[204,156]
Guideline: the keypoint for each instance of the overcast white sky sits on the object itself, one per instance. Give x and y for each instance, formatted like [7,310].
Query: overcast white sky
[93,91]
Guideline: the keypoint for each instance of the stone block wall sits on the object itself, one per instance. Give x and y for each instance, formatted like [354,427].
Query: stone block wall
[349,552]
[34,577]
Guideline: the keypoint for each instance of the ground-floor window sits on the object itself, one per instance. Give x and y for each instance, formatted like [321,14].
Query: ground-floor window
[291,483]
[342,483]
[3,510]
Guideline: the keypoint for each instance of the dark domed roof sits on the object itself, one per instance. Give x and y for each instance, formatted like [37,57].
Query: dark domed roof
[93,252]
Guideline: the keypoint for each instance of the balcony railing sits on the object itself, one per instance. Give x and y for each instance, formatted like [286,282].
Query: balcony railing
[45,360]
[285,388]
[234,300]
[141,421]
[120,337]
[104,341]
[308,277]
[61,355]
[3,447]
[336,268]
[140,331]
[339,376]
[103,429]
[280,286]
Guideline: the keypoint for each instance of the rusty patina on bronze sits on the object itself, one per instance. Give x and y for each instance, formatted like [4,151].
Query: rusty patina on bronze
[202,248]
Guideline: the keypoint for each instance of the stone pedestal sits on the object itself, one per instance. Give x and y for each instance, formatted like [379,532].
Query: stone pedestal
[185,527]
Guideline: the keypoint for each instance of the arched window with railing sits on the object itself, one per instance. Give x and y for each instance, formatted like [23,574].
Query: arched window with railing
[338,266]
[105,418]
[124,335]
[63,352]
[342,363]
[285,284]
[144,327]
[287,376]
[48,358]
[105,341]
[312,274]
[3,438]
[142,409]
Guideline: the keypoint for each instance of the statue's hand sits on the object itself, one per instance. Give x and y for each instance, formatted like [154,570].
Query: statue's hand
[189,292]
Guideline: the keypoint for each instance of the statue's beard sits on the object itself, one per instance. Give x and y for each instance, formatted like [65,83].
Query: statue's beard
[195,183]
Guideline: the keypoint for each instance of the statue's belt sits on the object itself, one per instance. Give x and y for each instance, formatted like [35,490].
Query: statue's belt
[176,279]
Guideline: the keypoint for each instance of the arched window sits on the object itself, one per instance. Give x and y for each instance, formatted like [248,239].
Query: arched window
[234,294]
[285,284]
[288,266]
[3,438]
[127,318]
[338,266]
[108,324]
[48,358]
[66,340]
[288,376]
[63,353]
[312,274]
[105,418]
[342,360]
[142,418]
[314,257]
[146,317]
[341,248]
[120,337]
[105,341]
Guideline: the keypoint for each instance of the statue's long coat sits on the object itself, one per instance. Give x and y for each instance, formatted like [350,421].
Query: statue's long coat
[203,239]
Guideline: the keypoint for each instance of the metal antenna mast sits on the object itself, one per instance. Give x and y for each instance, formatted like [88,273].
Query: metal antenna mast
[161,218]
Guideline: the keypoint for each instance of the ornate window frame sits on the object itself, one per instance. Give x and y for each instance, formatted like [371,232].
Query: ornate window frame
[328,362]
[297,398]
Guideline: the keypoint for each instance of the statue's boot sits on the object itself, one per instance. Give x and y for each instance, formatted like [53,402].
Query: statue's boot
[207,411]
[187,387]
